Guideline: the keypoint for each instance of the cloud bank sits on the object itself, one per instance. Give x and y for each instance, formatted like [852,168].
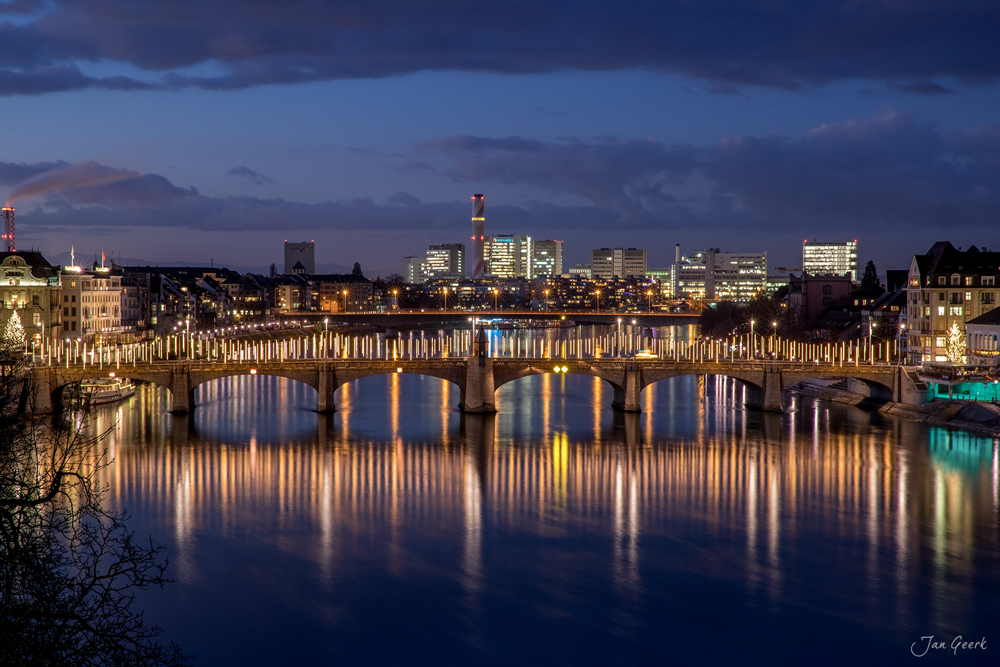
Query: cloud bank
[234,44]
[892,171]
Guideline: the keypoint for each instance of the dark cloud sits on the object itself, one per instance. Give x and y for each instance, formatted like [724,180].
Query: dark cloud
[147,190]
[608,173]
[921,88]
[890,172]
[248,174]
[403,199]
[11,172]
[730,43]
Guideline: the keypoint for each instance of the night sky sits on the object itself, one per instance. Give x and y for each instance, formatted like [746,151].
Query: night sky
[204,130]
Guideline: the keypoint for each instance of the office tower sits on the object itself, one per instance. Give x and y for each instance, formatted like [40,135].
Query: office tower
[446,259]
[546,258]
[414,269]
[478,237]
[509,255]
[303,254]
[821,258]
[617,262]
[720,276]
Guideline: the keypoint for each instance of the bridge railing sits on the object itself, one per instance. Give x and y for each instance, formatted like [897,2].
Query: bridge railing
[624,343]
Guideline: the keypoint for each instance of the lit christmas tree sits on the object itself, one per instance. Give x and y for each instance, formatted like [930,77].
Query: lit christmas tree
[955,344]
[13,331]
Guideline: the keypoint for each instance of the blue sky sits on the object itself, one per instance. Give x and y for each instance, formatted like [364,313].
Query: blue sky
[220,128]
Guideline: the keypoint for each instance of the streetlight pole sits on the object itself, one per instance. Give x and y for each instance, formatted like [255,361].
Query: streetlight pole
[618,342]
[649,301]
[753,343]
[445,299]
[899,343]
[546,301]
[871,341]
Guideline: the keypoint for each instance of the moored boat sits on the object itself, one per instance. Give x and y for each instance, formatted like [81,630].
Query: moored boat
[106,390]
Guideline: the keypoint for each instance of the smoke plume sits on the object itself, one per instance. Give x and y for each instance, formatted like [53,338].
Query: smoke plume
[83,175]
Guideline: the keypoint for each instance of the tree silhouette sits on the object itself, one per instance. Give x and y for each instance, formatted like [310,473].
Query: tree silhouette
[69,569]
[357,270]
[869,280]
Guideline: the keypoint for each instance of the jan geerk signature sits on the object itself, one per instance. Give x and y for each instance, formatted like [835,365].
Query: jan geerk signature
[928,643]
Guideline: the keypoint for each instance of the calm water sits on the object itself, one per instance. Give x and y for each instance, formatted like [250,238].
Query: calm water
[399,531]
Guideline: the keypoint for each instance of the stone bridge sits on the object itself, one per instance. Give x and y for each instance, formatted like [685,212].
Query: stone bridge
[479,376]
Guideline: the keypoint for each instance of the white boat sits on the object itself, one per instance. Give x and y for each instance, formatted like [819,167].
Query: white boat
[109,390]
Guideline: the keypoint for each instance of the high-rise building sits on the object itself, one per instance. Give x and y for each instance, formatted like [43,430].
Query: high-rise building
[620,262]
[509,255]
[720,276]
[446,259]
[414,270]
[478,268]
[546,258]
[303,254]
[825,258]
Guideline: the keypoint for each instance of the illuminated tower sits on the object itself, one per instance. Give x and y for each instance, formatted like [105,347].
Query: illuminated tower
[8,229]
[478,236]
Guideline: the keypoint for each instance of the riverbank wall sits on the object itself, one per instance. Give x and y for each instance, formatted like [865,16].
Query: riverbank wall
[976,417]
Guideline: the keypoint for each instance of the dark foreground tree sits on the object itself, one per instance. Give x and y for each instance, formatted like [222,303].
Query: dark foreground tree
[69,569]
[869,280]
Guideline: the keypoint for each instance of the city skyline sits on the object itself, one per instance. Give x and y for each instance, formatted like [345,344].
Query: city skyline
[187,147]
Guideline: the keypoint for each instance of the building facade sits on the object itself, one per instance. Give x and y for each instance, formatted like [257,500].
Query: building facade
[30,287]
[982,346]
[830,258]
[446,259]
[713,275]
[546,259]
[617,262]
[947,286]
[508,255]
[91,302]
[303,253]
[809,295]
[414,270]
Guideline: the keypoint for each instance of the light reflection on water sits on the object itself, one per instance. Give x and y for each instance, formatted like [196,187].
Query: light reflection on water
[399,529]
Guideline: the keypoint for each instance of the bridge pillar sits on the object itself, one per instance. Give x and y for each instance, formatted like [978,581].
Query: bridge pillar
[327,386]
[181,393]
[479,385]
[768,396]
[626,397]
[42,388]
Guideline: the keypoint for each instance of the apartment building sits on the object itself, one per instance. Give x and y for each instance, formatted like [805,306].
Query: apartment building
[947,286]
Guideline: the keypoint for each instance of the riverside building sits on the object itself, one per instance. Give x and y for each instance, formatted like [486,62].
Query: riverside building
[947,286]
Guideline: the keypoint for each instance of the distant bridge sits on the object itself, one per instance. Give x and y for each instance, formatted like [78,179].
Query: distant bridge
[416,317]
[478,376]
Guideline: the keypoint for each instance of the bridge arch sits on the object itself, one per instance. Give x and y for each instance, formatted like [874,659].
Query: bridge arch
[507,373]
[856,383]
[755,390]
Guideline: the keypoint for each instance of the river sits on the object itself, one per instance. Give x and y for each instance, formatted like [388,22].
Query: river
[558,532]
